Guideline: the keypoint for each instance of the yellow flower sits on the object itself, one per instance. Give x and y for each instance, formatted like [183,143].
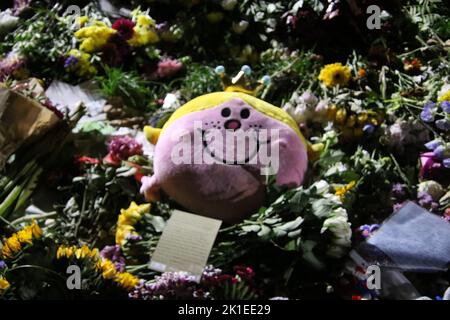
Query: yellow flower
[83,65]
[341,191]
[4,284]
[94,37]
[126,280]
[82,20]
[144,31]
[107,268]
[25,236]
[82,252]
[335,74]
[65,252]
[11,247]
[36,230]
[444,97]
[128,218]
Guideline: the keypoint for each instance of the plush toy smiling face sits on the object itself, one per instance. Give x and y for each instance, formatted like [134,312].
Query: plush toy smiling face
[214,161]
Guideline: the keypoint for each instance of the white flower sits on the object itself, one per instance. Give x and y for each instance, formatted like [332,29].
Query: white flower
[339,226]
[322,186]
[296,113]
[171,101]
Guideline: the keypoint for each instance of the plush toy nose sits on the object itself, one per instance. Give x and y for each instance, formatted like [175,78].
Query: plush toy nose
[232,124]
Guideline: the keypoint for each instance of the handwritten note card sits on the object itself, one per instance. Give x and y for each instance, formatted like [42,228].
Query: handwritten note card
[185,244]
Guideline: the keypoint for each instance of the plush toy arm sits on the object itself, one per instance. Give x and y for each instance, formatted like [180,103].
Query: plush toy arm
[293,162]
[150,188]
[152,134]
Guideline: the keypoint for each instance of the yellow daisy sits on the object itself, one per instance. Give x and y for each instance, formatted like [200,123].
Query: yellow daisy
[335,75]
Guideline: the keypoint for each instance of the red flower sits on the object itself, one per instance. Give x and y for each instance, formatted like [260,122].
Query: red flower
[124,27]
[86,160]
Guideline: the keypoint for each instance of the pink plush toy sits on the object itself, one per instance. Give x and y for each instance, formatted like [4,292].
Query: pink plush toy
[198,167]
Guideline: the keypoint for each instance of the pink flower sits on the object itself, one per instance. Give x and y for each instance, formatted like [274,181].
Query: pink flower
[431,167]
[121,148]
[168,68]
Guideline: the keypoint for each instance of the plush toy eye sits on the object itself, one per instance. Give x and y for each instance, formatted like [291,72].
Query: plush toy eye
[226,112]
[245,113]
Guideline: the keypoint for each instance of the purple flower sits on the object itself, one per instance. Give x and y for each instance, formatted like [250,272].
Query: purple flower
[427,116]
[433,144]
[446,106]
[133,237]
[70,62]
[399,190]
[114,254]
[122,147]
[439,152]
[426,200]
[175,285]
[2,264]
[429,106]
[443,124]
[368,230]
[446,163]
[20,5]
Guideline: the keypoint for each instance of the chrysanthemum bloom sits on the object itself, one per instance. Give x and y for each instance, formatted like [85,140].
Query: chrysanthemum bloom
[144,31]
[79,62]
[168,67]
[125,28]
[335,75]
[94,37]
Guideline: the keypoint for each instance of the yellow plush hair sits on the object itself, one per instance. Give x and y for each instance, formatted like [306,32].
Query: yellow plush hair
[212,100]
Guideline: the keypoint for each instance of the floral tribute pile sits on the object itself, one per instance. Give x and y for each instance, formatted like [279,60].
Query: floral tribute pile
[374,103]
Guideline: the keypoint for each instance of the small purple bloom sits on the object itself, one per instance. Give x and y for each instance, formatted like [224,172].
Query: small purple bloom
[2,264]
[429,106]
[398,190]
[114,254]
[122,147]
[439,152]
[443,124]
[446,106]
[446,163]
[70,61]
[426,200]
[427,116]
[433,144]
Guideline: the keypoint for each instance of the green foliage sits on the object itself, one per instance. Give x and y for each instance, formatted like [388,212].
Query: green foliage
[127,85]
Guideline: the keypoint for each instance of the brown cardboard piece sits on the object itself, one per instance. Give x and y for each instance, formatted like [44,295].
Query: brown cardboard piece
[21,119]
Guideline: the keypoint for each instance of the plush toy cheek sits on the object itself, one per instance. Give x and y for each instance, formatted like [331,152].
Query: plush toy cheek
[225,192]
